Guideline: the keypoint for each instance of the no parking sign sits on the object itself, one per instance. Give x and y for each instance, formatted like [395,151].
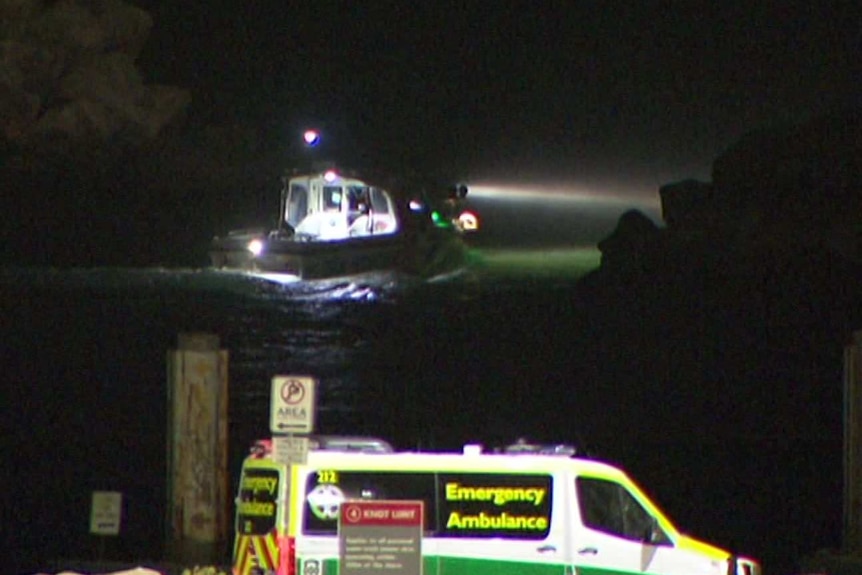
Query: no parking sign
[292,404]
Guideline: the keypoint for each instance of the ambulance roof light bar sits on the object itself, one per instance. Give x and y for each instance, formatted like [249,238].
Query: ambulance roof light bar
[522,446]
[355,444]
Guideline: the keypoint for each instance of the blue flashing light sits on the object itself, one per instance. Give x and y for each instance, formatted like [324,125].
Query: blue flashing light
[311,138]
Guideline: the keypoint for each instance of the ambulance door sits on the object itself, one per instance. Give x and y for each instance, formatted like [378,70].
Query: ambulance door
[619,529]
[324,490]
[613,531]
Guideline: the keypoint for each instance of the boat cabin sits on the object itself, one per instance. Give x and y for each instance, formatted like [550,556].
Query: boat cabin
[326,206]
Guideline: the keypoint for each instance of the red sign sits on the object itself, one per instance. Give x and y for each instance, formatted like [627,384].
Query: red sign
[382,513]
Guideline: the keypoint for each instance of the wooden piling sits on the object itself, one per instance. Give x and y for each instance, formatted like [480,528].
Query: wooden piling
[852,536]
[198,504]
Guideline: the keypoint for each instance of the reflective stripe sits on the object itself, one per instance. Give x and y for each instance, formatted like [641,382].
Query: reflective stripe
[255,551]
[265,551]
[269,545]
[243,555]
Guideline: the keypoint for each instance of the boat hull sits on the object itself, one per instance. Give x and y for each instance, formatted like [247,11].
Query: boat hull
[424,255]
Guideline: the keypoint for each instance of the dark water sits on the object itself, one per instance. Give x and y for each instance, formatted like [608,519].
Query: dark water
[83,356]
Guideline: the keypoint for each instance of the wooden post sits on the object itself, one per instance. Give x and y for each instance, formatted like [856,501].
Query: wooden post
[852,539]
[198,503]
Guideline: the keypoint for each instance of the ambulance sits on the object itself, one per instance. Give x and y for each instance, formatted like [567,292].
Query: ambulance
[522,509]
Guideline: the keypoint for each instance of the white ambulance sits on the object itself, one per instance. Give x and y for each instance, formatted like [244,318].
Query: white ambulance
[524,509]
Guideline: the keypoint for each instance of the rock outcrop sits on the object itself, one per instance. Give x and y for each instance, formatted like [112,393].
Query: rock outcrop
[730,322]
[775,192]
[83,136]
[800,185]
[68,76]
[631,243]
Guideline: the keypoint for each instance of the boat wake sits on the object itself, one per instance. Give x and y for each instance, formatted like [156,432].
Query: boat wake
[368,286]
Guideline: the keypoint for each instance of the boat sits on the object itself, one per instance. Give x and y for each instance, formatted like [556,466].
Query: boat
[333,223]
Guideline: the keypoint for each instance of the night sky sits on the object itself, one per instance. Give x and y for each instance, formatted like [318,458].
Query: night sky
[629,94]
[598,100]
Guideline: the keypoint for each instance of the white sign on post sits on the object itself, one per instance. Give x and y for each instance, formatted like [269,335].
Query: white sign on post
[105,512]
[290,449]
[292,404]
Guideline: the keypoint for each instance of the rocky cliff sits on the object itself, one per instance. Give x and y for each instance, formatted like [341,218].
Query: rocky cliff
[777,191]
[98,165]
[68,76]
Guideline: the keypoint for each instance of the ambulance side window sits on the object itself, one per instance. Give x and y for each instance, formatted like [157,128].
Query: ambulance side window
[495,505]
[608,506]
[326,489]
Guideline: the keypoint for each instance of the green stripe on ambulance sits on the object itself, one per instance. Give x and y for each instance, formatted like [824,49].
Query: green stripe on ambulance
[534,511]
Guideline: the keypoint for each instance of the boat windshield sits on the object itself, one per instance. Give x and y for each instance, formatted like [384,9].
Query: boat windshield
[332,198]
[339,210]
[379,202]
[297,204]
